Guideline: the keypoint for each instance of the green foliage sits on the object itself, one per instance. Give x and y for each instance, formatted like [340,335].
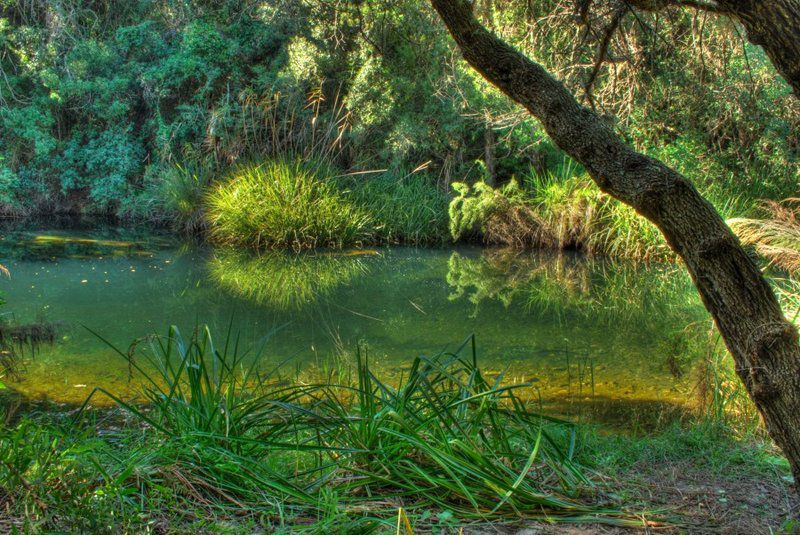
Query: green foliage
[403,208]
[9,182]
[475,208]
[223,435]
[174,194]
[566,212]
[284,203]
[56,475]
[287,203]
[98,108]
[578,215]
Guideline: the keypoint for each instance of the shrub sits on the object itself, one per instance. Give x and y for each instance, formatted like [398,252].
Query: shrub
[554,212]
[501,216]
[284,203]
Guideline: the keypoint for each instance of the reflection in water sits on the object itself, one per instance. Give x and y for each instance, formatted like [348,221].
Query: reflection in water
[282,280]
[659,302]
[566,287]
[578,330]
[54,245]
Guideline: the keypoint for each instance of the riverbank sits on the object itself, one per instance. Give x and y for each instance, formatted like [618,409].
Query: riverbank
[296,204]
[446,452]
[747,493]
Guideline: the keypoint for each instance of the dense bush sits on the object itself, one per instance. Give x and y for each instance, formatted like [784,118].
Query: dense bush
[100,101]
[566,212]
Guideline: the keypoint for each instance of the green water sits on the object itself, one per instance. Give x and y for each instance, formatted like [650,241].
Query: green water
[592,337]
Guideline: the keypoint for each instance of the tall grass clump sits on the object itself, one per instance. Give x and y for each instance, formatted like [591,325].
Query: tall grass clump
[580,216]
[181,193]
[232,434]
[284,203]
[776,237]
[403,208]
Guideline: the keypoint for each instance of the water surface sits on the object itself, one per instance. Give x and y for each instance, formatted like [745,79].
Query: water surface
[592,337]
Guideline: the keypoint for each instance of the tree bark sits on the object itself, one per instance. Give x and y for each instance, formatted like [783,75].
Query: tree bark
[762,342]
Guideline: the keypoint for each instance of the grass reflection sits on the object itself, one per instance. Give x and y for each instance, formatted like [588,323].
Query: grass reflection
[283,280]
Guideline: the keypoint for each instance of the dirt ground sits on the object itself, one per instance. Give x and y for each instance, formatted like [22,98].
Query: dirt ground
[692,501]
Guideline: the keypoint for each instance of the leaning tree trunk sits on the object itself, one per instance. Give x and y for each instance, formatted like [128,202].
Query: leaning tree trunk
[763,343]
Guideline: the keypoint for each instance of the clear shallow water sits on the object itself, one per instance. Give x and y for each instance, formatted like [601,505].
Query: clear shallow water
[595,338]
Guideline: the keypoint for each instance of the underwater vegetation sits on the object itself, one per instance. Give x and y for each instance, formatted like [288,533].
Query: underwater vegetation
[16,339]
[53,245]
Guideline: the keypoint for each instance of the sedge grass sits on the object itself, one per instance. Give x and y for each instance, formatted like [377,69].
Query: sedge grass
[776,237]
[405,208]
[445,438]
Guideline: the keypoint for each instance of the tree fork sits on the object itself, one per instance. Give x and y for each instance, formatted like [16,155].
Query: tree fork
[763,343]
